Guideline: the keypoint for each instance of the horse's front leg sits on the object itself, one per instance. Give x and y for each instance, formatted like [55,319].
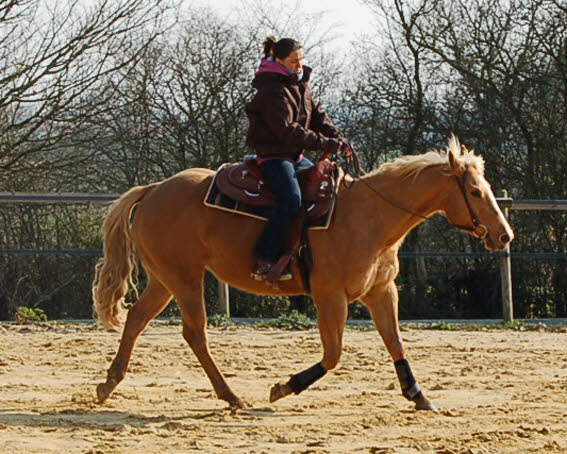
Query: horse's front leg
[382,302]
[331,319]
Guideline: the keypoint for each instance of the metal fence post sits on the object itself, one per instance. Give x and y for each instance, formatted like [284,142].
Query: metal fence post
[223,302]
[506,276]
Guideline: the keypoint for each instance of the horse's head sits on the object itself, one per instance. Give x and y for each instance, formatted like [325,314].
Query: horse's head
[470,204]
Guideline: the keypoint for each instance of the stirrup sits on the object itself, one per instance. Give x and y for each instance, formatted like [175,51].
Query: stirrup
[286,275]
[279,271]
[263,270]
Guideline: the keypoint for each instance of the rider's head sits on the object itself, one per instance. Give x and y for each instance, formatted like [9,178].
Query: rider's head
[287,52]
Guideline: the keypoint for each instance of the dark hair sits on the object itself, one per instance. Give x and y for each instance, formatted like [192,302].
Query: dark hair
[280,49]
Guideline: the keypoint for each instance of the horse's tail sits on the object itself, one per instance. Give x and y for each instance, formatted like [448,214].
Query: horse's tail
[113,272]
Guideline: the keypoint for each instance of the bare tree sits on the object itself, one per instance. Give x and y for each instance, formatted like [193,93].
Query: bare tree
[183,104]
[495,72]
[51,54]
[207,85]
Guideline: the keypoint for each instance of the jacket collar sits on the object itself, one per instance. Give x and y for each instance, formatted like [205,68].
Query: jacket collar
[264,76]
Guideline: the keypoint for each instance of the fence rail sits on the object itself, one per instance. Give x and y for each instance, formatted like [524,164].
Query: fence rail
[62,197]
[505,202]
[39,197]
[557,205]
[401,254]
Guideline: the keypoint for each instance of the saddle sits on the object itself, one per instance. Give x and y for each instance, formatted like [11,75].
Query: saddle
[244,182]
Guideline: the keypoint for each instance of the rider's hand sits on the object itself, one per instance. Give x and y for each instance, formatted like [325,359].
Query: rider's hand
[337,146]
[333,146]
[345,148]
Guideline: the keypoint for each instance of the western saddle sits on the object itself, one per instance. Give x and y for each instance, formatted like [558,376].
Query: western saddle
[244,183]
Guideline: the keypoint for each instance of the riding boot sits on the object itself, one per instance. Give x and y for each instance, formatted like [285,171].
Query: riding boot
[280,270]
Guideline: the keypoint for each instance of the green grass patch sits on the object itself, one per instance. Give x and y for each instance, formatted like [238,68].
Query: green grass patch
[219,320]
[442,326]
[472,326]
[30,314]
[515,326]
[293,321]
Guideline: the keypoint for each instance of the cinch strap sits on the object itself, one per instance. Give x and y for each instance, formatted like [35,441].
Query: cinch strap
[410,388]
[303,380]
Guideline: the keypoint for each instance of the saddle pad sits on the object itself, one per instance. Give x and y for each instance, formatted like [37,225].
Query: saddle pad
[215,199]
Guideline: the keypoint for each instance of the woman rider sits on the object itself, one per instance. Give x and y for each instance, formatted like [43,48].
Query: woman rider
[283,121]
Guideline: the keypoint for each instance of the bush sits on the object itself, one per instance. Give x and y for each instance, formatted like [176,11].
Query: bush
[291,321]
[219,320]
[30,314]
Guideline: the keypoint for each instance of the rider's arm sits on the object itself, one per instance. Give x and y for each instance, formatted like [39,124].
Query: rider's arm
[320,122]
[279,117]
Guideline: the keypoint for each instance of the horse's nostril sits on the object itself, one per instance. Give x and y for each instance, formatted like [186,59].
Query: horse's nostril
[504,238]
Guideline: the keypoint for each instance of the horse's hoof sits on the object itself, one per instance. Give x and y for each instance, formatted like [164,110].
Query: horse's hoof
[101,393]
[423,403]
[232,399]
[278,391]
[236,404]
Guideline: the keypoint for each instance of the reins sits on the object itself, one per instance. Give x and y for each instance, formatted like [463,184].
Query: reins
[352,160]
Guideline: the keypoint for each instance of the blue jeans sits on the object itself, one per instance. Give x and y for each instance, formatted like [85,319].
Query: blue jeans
[282,176]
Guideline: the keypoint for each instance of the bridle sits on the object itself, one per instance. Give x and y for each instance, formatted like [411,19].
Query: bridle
[479,230]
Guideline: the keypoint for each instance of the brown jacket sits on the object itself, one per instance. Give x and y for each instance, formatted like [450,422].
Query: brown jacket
[284,119]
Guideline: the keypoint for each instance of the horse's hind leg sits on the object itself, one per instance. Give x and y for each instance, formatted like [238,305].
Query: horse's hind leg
[152,301]
[331,319]
[382,302]
[194,315]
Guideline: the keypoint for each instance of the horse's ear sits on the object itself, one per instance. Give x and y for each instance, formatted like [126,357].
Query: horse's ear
[457,167]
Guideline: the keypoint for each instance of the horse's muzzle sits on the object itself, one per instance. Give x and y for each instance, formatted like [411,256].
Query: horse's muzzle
[505,239]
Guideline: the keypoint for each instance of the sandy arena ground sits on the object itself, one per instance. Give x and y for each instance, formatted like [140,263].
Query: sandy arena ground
[498,392]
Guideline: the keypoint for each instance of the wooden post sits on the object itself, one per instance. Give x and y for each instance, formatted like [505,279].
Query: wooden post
[223,302]
[506,276]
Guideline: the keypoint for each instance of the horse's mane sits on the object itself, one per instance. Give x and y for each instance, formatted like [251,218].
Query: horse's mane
[413,165]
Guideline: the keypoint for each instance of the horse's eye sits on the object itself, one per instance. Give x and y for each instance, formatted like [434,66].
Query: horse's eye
[476,193]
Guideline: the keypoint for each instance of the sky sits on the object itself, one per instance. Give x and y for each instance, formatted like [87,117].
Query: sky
[349,18]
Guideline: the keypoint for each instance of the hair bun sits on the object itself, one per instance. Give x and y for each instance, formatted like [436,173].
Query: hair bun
[269,44]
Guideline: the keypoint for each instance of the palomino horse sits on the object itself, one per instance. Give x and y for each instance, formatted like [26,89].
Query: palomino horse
[177,238]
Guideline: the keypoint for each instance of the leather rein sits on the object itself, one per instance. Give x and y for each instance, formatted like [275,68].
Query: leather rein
[479,230]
